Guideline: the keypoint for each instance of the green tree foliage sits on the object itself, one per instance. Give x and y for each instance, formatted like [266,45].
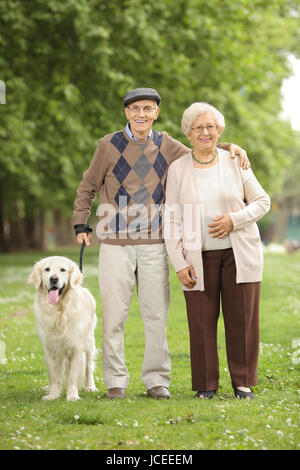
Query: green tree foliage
[67,66]
[289,196]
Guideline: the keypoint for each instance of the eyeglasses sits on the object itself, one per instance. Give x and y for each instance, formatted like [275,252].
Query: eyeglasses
[199,129]
[146,109]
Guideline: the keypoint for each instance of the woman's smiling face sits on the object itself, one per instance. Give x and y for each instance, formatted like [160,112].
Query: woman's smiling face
[204,133]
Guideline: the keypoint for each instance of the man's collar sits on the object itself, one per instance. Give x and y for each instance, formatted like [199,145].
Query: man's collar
[130,134]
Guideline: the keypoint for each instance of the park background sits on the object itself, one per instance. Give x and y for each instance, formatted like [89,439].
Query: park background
[64,69]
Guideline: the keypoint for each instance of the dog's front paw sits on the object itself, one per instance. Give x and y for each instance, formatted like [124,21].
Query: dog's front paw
[91,388]
[72,393]
[51,396]
[54,392]
[73,397]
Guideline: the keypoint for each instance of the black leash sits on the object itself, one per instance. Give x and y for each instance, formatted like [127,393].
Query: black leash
[82,228]
[81,254]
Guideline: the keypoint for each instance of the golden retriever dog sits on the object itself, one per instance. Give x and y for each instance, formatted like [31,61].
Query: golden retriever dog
[66,320]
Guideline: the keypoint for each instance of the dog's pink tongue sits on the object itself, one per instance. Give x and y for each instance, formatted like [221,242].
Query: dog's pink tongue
[53,297]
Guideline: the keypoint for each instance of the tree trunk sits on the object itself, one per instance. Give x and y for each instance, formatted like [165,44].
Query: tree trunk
[17,240]
[63,228]
[3,245]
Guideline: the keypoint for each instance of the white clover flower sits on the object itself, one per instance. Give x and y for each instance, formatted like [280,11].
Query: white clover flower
[296,357]
[295,343]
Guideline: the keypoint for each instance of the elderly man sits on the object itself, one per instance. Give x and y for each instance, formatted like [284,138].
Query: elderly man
[129,170]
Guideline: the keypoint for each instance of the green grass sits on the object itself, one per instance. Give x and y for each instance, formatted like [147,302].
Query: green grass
[138,422]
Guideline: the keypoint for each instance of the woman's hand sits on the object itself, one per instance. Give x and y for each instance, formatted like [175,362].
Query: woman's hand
[187,277]
[221,226]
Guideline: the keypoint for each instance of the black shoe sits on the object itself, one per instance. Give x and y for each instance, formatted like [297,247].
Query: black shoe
[244,395]
[208,394]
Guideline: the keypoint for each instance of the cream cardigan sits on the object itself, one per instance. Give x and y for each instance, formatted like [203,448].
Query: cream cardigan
[242,197]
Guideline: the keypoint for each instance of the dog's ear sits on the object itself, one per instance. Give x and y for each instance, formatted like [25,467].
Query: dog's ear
[36,276]
[75,276]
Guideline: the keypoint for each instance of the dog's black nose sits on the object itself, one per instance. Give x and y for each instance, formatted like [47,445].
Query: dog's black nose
[53,279]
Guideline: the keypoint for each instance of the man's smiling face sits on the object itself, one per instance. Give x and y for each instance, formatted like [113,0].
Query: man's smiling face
[141,114]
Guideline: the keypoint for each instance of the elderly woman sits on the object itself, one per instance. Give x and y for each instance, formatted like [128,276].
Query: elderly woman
[211,236]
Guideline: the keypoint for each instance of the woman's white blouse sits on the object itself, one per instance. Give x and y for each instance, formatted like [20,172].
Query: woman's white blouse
[209,197]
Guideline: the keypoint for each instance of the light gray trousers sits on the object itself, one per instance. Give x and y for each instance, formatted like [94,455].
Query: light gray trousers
[120,267]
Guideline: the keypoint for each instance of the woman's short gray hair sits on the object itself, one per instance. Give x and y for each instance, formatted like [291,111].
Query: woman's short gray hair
[192,112]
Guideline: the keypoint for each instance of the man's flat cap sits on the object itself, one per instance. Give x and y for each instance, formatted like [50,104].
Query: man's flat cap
[141,94]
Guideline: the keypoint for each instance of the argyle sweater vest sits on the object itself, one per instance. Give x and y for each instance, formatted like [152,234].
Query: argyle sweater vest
[130,177]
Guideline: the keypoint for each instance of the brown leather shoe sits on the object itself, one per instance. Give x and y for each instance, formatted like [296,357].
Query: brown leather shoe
[116,392]
[159,392]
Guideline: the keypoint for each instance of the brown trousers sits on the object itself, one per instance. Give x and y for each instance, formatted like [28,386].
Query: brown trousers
[240,306]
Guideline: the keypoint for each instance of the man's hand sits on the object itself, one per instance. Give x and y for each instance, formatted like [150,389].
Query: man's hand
[187,277]
[87,237]
[221,226]
[236,151]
